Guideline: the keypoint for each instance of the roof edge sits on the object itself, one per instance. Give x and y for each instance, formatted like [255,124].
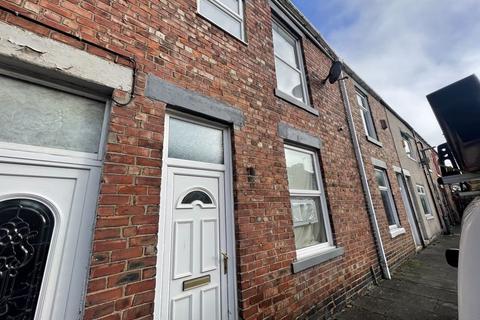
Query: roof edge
[294,13]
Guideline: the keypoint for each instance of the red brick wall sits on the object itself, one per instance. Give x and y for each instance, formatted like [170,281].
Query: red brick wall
[171,41]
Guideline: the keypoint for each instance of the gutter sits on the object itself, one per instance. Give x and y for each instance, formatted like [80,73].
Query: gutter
[363,177]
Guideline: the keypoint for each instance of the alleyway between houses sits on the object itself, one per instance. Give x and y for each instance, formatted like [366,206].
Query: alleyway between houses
[423,288]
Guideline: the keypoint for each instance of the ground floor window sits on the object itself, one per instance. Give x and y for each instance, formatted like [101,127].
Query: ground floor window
[387,197]
[423,200]
[310,217]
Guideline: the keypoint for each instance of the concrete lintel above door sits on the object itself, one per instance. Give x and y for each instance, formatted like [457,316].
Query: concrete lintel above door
[187,100]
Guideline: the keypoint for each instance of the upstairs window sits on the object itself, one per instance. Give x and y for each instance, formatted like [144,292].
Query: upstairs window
[407,145]
[289,70]
[387,198]
[226,14]
[366,113]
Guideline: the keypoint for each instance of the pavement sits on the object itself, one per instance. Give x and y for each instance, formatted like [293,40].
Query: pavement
[423,288]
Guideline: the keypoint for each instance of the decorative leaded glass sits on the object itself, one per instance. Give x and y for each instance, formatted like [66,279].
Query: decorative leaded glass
[26,229]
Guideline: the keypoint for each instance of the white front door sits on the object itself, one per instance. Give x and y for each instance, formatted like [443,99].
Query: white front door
[196,260]
[196,207]
[51,209]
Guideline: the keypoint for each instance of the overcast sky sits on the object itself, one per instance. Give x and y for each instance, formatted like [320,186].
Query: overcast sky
[404,49]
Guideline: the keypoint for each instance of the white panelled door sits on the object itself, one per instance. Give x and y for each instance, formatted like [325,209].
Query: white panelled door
[66,194]
[196,253]
[196,204]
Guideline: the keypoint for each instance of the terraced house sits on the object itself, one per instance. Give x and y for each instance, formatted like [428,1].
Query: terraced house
[185,159]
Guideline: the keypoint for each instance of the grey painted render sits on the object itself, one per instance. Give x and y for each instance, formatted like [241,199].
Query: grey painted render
[175,96]
[19,47]
[429,228]
[294,135]
[306,263]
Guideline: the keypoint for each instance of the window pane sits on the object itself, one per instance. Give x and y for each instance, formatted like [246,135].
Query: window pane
[300,170]
[191,141]
[369,122]
[380,176]
[420,189]
[231,4]
[426,208]
[406,146]
[35,115]
[220,18]
[289,80]
[388,205]
[309,228]
[360,101]
[285,46]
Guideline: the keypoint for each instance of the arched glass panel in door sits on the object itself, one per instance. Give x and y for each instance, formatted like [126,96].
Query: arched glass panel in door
[196,196]
[26,228]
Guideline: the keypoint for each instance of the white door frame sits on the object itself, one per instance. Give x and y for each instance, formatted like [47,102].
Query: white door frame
[409,209]
[161,294]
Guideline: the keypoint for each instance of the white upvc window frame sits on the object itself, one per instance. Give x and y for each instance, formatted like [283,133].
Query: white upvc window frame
[407,146]
[325,246]
[283,31]
[366,114]
[388,189]
[240,16]
[423,194]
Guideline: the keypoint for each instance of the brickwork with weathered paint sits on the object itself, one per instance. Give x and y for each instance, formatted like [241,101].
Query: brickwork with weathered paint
[172,42]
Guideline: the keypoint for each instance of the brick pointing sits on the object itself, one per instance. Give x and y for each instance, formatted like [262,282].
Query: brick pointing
[173,43]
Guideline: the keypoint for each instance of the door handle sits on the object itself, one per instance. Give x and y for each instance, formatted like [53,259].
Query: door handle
[225,262]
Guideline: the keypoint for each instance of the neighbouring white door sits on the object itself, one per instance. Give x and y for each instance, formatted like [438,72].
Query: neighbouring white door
[51,209]
[196,243]
[409,209]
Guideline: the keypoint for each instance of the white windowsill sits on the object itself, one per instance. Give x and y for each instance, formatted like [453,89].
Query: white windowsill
[374,141]
[429,216]
[396,231]
[313,250]
[411,158]
[316,258]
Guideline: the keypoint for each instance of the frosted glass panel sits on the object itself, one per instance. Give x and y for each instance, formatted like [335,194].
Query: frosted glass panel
[300,170]
[35,115]
[191,141]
